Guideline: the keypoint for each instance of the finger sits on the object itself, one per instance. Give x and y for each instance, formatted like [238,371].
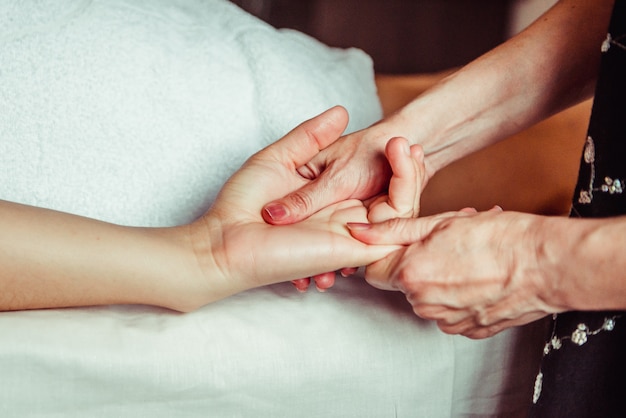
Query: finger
[296,149]
[380,273]
[462,327]
[407,165]
[481,332]
[476,328]
[404,192]
[324,281]
[305,141]
[441,313]
[348,271]
[402,231]
[485,332]
[301,284]
[302,203]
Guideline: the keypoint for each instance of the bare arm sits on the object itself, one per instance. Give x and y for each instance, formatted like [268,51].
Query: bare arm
[509,269]
[582,263]
[548,67]
[53,259]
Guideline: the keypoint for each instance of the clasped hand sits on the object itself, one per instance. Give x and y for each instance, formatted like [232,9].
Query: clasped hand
[474,273]
[237,250]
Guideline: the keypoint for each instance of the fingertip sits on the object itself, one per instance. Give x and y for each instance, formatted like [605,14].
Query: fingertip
[275,212]
[339,112]
[417,152]
[468,210]
[301,285]
[348,271]
[324,281]
[397,145]
[331,124]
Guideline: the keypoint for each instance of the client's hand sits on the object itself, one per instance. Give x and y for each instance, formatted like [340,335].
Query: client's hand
[54,259]
[238,250]
[352,168]
[401,201]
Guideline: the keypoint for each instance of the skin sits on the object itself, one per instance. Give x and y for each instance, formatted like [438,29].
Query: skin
[528,78]
[479,273]
[401,201]
[509,268]
[53,259]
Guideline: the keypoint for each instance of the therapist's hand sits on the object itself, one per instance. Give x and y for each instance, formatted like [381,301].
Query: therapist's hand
[474,273]
[354,167]
[402,199]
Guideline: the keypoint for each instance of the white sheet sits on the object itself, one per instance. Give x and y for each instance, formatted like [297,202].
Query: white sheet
[353,352]
[136,113]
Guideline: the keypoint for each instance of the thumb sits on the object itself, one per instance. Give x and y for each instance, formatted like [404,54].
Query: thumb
[295,150]
[305,141]
[302,203]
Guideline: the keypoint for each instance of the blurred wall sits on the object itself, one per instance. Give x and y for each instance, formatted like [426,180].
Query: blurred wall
[402,36]
[524,12]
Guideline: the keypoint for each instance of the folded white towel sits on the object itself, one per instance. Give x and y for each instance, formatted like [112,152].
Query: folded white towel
[137,112]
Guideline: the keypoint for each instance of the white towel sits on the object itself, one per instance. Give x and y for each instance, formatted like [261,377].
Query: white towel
[137,112]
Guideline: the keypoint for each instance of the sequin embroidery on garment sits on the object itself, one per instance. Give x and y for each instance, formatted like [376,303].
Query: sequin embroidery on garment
[579,337]
[610,185]
[583,368]
[606,44]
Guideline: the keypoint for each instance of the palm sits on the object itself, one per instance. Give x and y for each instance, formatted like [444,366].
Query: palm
[259,254]
[248,252]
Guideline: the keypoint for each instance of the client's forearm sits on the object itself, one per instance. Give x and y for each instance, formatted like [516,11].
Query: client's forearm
[53,259]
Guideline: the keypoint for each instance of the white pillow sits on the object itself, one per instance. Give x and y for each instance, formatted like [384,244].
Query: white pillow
[137,112]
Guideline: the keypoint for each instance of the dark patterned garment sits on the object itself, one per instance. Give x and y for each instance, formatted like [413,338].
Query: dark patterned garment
[583,372]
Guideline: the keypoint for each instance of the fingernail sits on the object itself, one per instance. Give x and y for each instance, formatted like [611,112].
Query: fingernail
[276,211]
[320,289]
[300,289]
[358,226]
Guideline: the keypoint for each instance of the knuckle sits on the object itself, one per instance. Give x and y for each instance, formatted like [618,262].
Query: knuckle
[446,329]
[422,313]
[482,319]
[494,329]
[371,278]
[404,281]
[396,224]
[300,201]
